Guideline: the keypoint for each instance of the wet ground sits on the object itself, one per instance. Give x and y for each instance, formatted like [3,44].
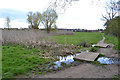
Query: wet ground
[69,59]
[85,70]
[106,60]
[103,60]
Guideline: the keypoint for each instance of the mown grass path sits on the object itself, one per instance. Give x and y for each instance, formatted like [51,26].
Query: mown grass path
[109,52]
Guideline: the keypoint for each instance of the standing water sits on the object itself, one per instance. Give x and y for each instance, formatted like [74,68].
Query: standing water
[65,59]
[106,60]
[69,59]
[93,45]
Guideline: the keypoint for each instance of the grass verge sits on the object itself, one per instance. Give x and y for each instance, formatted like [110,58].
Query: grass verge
[113,40]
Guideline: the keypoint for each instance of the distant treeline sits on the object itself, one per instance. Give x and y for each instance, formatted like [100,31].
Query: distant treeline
[61,29]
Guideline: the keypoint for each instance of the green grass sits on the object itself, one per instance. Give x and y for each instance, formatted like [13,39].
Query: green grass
[116,77]
[97,63]
[18,60]
[113,40]
[90,37]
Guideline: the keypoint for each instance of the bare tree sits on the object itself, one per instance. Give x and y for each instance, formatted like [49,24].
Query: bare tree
[61,5]
[49,18]
[8,22]
[34,19]
[111,10]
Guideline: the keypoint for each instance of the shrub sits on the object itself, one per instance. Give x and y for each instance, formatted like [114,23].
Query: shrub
[83,44]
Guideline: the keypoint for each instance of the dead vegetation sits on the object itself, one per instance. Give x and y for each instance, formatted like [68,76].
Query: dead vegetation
[29,35]
[35,39]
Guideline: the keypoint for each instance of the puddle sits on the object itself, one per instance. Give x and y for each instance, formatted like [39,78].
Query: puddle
[87,50]
[66,59]
[106,60]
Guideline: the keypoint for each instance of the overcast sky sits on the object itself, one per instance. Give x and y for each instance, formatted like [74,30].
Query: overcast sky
[80,15]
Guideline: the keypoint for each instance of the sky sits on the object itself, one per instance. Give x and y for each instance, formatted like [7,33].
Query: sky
[80,15]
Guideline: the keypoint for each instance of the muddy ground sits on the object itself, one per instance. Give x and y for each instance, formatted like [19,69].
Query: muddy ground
[85,70]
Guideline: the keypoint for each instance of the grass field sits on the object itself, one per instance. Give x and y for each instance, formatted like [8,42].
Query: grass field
[18,60]
[90,37]
[113,40]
